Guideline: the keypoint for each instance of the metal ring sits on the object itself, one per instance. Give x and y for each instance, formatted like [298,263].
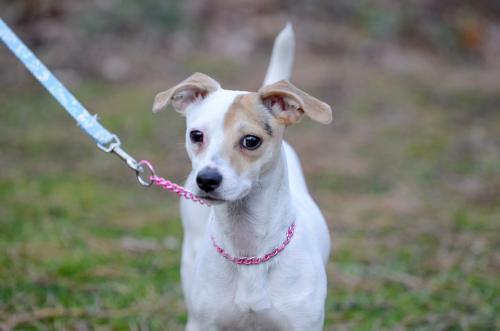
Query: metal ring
[144,167]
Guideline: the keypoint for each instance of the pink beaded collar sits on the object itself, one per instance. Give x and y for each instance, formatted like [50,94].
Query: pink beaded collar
[246,260]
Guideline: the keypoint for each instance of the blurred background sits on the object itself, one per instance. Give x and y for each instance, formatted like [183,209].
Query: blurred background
[408,175]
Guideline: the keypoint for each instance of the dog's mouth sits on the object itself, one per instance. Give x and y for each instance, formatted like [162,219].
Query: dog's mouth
[211,199]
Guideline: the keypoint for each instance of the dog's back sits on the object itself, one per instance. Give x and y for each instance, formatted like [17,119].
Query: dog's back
[305,204]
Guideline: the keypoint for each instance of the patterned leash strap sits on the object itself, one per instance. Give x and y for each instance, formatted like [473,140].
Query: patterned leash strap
[105,140]
[86,121]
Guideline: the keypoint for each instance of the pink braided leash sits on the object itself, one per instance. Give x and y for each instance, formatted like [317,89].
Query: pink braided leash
[184,193]
[171,186]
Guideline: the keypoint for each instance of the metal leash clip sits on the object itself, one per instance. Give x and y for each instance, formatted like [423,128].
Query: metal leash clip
[143,174]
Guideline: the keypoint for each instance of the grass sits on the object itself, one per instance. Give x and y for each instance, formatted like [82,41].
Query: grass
[409,184]
[66,214]
[415,249]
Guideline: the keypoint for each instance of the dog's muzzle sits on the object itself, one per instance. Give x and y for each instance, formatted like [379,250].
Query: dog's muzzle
[208,179]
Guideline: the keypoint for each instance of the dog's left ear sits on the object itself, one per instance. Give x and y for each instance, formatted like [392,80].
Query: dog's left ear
[288,103]
[192,90]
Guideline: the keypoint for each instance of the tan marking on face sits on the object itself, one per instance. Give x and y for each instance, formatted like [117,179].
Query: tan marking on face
[246,116]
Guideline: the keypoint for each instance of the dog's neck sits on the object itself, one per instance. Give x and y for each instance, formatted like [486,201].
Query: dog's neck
[258,223]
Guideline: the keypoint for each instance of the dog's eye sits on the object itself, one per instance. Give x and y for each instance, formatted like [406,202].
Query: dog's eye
[250,142]
[196,136]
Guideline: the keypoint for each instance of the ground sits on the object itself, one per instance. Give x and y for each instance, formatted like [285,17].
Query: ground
[408,177]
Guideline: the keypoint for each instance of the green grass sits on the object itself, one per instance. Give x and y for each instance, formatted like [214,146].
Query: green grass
[415,245]
[66,210]
[414,223]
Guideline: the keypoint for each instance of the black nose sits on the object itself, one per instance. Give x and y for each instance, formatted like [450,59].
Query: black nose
[208,179]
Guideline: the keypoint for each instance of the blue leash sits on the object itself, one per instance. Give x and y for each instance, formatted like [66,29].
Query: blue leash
[105,140]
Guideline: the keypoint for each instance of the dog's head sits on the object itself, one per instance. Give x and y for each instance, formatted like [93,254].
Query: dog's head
[233,138]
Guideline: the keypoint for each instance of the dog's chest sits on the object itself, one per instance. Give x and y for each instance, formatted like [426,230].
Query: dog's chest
[251,291]
[242,302]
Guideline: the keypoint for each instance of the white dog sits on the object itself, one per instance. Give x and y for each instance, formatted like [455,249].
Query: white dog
[255,259]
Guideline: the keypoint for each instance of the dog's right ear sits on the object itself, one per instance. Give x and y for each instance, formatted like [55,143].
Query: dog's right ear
[192,90]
